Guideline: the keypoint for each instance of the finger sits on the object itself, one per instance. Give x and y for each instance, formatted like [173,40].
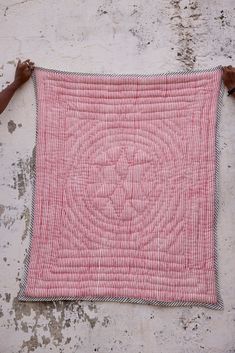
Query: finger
[19,62]
[230,69]
[24,66]
[25,63]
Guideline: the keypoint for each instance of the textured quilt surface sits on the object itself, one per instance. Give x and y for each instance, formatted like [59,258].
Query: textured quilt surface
[124,197]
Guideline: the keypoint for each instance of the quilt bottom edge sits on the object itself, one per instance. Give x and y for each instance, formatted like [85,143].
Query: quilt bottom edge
[216,306]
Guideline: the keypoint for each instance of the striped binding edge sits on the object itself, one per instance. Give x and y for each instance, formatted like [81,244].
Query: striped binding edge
[219,304]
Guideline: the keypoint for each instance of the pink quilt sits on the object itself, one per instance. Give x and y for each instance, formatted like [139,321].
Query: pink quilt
[124,197]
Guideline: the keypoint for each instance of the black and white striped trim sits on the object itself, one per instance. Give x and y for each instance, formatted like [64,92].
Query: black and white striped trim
[219,304]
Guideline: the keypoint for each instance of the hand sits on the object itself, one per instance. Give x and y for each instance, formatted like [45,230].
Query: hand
[23,72]
[229,76]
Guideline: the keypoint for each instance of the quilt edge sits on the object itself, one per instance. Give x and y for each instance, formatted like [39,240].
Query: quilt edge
[137,75]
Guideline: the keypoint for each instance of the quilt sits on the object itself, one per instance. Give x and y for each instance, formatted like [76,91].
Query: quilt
[125,188]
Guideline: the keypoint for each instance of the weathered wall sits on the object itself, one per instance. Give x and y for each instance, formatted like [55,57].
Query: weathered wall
[123,36]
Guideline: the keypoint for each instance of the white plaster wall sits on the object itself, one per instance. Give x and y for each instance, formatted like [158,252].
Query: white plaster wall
[124,36]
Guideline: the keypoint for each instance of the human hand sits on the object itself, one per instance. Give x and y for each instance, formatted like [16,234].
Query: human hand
[229,76]
[23,72]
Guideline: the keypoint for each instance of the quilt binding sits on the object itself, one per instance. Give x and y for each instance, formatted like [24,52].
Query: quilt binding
[219,304]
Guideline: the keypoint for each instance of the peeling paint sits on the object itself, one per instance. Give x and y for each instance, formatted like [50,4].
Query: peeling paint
[11,126]
[8,297]
[25,173]
[101,11]
[45,340]
[106,321]
[24,326]
[2,209]
[68,340]
[13,5]
[1,313]
[8,216]
[26,216]
[52,317]
[182,22]
[141,30]
[92,307]
[21,184]
[11,62]
[32,344]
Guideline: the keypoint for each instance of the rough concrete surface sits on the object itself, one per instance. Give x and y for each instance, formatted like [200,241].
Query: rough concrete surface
[124,36]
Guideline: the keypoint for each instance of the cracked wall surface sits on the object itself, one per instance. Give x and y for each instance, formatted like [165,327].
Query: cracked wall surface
[117,37]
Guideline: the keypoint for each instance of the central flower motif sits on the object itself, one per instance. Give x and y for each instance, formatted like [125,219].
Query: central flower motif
[121,181]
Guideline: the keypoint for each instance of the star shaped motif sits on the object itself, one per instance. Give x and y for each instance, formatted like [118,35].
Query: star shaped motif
[121,181]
